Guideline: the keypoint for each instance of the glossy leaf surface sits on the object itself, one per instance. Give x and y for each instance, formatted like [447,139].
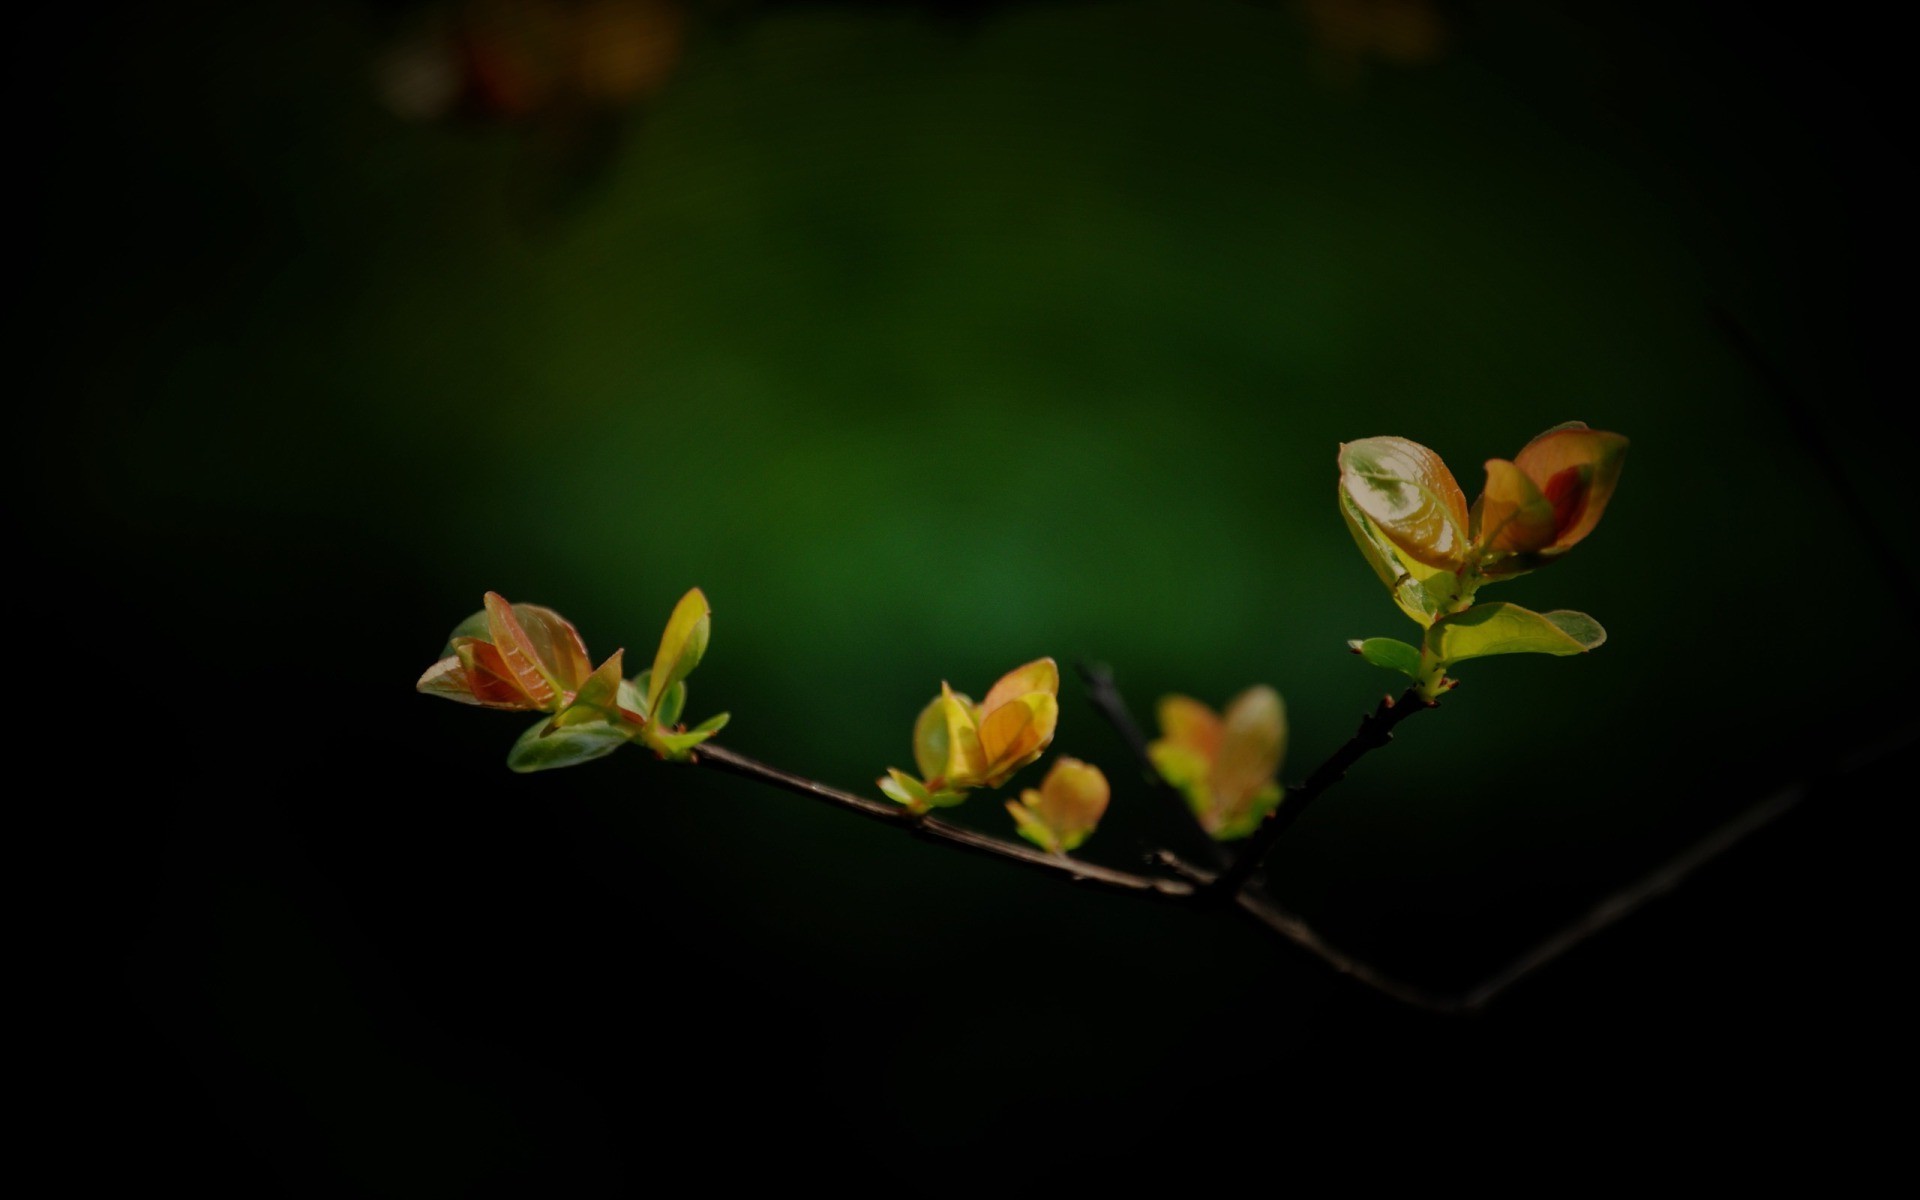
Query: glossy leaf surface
[1500,628]
[682,645]
[546,747]
[1409,495]
[1389,653]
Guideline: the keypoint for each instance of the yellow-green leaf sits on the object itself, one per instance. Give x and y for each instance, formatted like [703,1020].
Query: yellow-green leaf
[904,789]
[673,702]
[633,693]
[546,746]
[681,646]
[678,747]
[1501,628]
[1421,591]
[1388,653]
[599,695]
[966,761]
[931,742]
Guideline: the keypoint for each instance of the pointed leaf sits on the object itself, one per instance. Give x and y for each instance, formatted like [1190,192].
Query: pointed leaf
[904,789]
[966,761]
[448,680]
[673,702]
[487,674]
[1511,516]
[1502,628]
[545,748]
[557,645]
[1388,653]
[633,693]
[712,725]
[682,645]
[599,696]
[516,651]
[675,747]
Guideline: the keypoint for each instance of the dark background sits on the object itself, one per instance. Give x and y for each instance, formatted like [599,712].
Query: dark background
[927,340]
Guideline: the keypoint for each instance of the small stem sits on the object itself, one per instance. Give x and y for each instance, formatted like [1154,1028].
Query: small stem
[933,829]
[1376,730]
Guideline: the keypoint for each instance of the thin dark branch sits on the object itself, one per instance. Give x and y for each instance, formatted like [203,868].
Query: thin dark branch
[1675,871]
[1629,899]
[933,829]
[1813,440]
[1279,920]
[1106,697]
[1194,885]
[1376,730]
[1188,887]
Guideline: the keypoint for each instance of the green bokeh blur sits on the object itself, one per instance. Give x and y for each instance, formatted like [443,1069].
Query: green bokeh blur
[928,346]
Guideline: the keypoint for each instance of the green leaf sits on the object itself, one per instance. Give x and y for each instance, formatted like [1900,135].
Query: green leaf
[1181,766]
[474,626]
[1248,819]
[904,789]
[1389,653]
[1502,628]
[682,645]
[1035,830]
[672,702]
[676,747]
[1421,591]
[545,747]
[633,693]
[930,739]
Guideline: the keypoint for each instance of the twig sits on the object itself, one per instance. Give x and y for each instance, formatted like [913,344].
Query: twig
[933,829]
[1809,436]
[1190,886]
[1376,730]
[1196,886]
[1609,911]
[1675,871]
